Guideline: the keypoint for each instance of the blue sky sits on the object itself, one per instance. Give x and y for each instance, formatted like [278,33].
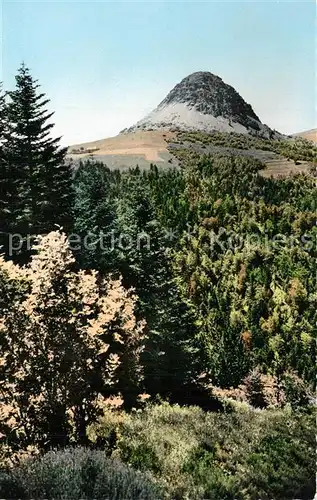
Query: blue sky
[106,64]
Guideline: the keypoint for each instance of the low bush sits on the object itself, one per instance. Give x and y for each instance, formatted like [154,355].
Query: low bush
[180,453]
[281,467]
[76,473]
[245,454]
[297,148]
[213,481]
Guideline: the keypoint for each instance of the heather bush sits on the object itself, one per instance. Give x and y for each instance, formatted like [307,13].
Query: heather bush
[76,473]
[160,439]
[281,464]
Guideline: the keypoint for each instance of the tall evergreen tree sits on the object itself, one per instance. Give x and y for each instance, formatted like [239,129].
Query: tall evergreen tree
[41,178]
[170,356]
[4,175]
[94,215]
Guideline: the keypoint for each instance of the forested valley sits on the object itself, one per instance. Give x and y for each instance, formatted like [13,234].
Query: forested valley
[157,327]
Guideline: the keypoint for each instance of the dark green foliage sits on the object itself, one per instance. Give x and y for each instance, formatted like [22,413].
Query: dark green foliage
[215,482]
[168,356]
[40,180]
[5,177]
[94,216]
[141,457]
[281,465]
[123,205]
[76,473]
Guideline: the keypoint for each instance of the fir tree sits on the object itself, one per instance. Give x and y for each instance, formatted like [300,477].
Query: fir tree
[94,216]
[4,176]
[41,179]
[170,353]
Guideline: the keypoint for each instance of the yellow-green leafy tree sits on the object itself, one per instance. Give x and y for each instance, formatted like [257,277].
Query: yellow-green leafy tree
[67,337]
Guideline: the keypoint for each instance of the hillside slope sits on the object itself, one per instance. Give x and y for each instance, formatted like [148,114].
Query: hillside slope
[310,135]
[127,150]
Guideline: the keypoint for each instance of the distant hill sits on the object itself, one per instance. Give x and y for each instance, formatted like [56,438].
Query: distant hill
[310,135]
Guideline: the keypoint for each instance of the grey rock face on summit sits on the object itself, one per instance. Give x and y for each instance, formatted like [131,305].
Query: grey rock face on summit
[209,94]
[203,101]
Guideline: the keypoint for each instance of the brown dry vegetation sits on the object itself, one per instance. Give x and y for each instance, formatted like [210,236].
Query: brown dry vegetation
[147,143]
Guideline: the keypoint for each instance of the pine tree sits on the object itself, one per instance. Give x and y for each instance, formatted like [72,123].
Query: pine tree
[41,179]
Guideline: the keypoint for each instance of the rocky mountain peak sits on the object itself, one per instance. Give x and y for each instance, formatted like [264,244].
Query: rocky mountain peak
[210,95]
[203,101]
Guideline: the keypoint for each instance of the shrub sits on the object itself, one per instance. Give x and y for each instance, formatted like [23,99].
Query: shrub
[297,394]
[199,454]
[76,473]
[255,389]
[212,480]
[160,439]
[142,457]
[282,466]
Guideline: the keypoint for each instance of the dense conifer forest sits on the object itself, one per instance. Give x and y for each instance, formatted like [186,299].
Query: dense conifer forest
[157,327]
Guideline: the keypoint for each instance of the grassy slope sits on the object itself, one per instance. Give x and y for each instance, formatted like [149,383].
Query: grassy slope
[278,157]
[166,148]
